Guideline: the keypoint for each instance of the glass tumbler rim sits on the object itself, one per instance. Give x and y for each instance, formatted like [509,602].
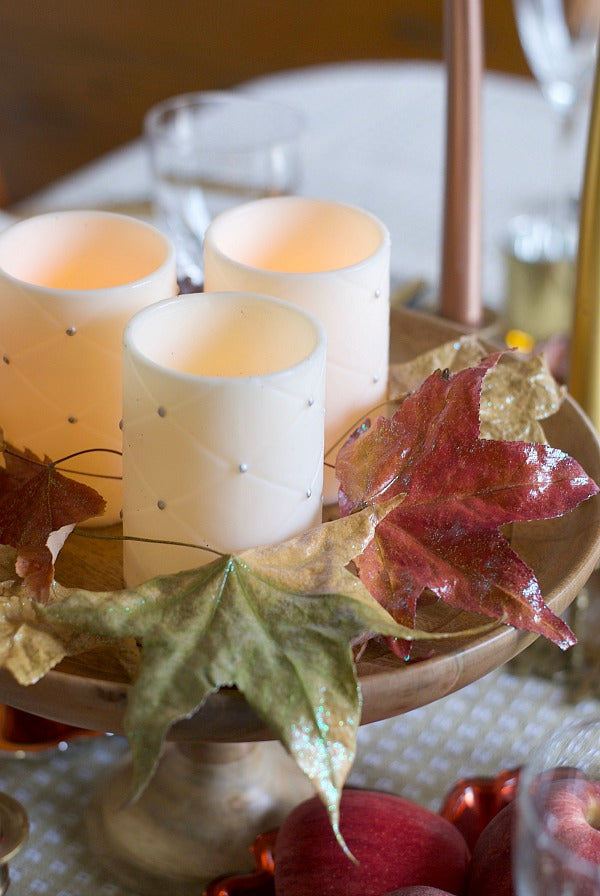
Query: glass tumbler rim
[287,122]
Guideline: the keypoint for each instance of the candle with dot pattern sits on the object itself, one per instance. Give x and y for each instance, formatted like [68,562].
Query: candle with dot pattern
[223,405]
[69,282]
[333,260]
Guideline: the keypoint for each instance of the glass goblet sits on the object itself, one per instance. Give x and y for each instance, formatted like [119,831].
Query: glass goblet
[559,39]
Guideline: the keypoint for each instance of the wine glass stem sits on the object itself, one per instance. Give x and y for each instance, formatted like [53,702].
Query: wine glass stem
[560,187]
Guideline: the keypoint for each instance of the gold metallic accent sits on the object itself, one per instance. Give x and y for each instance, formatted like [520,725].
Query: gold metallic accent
[584,379]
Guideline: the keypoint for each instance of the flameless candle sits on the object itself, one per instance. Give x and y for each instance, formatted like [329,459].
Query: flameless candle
[223,404]
[331,259]
[69,282]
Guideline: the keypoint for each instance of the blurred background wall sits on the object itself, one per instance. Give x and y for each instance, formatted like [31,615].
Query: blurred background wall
[77,78]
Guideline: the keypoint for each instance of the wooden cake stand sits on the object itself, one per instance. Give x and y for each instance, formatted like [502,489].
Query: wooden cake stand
[222,779]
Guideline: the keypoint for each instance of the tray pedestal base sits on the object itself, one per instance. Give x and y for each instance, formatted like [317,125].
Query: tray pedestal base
[198,816]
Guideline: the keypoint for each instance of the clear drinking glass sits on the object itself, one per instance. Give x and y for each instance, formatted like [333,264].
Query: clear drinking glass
[210,151]
[556,845]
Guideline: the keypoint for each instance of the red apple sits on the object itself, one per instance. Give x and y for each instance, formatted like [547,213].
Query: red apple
[490,873]
[396,842]
[572,801]
[571,806]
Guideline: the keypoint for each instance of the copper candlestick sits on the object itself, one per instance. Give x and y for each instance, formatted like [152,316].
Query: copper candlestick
[460,286]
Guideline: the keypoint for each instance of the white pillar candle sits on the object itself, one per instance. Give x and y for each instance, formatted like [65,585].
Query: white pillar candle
[331,259]
[69,282]
[223,404]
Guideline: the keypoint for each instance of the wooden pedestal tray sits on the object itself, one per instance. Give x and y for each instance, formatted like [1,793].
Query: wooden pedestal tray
[222,779]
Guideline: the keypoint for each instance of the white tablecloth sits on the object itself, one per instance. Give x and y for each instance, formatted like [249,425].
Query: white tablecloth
[374,138]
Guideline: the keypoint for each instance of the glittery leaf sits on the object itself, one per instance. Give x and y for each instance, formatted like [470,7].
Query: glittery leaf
[276,621]
[516,395]
[458,490]
[38,509]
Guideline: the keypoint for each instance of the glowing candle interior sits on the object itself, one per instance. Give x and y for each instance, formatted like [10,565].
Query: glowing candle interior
[223,403]
[331,259]
[69,282]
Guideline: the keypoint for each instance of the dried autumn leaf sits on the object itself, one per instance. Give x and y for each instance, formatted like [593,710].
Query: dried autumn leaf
[515,396]
[455,355]
[277,622]
[30,643]
[39,507]
[459,489]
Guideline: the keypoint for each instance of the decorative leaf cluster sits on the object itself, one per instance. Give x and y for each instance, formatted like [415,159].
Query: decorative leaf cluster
[458,490]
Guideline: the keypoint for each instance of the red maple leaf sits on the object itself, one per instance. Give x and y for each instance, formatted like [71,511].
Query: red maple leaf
[459,489]
[36,503]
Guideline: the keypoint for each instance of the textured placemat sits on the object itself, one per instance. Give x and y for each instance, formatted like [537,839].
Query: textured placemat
[490,725]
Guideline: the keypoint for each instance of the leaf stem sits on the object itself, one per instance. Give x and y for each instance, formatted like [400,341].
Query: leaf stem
[62,460]
[88,533]
[35,461]
[88,475]
[354,426]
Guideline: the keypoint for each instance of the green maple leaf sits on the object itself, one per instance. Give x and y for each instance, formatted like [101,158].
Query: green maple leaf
[277,622]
